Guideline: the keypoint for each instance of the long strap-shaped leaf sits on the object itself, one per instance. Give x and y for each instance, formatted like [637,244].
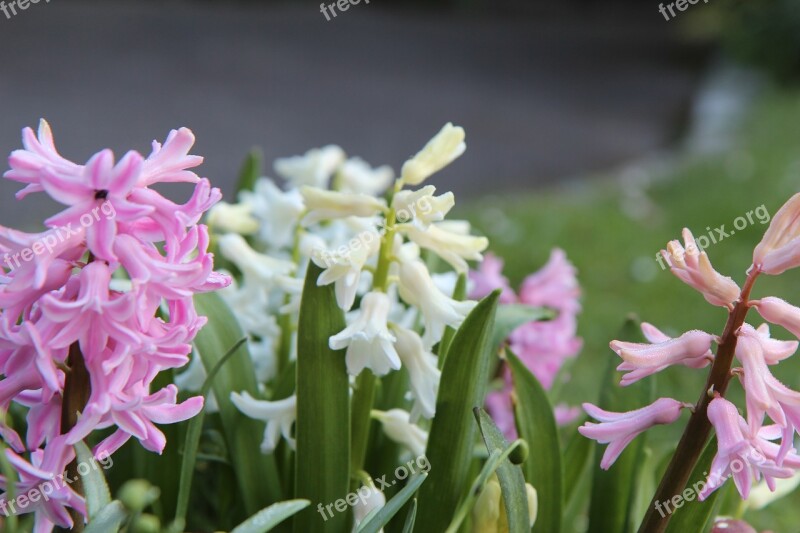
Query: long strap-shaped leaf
[256,473]
[323,411]
[452,435]
[537,425]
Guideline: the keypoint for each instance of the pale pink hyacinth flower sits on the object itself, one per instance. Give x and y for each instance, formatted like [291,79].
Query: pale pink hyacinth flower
[692,266]
[780,312]
[640,360]
[619,429]
[737,453]
[543,347]
[779,249]
[764,394]
[61,300]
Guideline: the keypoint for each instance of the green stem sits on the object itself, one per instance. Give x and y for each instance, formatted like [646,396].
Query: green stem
[698,430]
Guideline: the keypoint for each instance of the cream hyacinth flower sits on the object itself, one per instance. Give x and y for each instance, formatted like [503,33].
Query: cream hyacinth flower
[440,151]
[398,427]
[314,168]
[451,241]
[258,269]
[489,513]
[422,371]
[331,205]
[421,207]
[418,290]
[279,416]
[235,218]
[368,340]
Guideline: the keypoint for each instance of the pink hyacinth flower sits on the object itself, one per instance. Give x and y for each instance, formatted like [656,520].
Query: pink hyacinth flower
[619,429]
[763,392]
[488,278]
[692,266]
[554,285]
[737,455]
[779,249]
[691,349]
[46,467]
[780,312]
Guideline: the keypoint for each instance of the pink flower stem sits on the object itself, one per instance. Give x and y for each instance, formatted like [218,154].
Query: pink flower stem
[77,388]
[697,431]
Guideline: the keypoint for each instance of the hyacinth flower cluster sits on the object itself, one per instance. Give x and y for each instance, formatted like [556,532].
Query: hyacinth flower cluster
[371,234]
[543,346]
[751,447]
[94,307]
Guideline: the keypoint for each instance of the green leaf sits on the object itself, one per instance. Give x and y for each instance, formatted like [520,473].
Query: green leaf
[695,515]
[322,466]
[452,434]
[408,527]
[251,171]
[614,490]
[108,520]
[537,426]
[381,518]
[512,316]
[512,481]
[577,454]
[10,474]
[256,473]
[193,440]
[95,488]
[266,519]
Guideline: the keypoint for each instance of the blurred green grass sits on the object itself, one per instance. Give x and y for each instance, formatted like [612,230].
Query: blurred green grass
[612,227]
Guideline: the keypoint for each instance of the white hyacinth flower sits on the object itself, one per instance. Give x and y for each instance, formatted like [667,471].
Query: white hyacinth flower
[438,310]
[421,207]
[235,218]
[314,168]
[423,372]
[374,500]
[368,340]
[344,265]
[278,211]
[258,269]
[279,416]
[250,304]
[398,426]
[440,151]
[452,246]
[329,205]
[357,176]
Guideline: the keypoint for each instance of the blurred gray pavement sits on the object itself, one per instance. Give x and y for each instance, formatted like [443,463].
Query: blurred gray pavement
[542,96]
